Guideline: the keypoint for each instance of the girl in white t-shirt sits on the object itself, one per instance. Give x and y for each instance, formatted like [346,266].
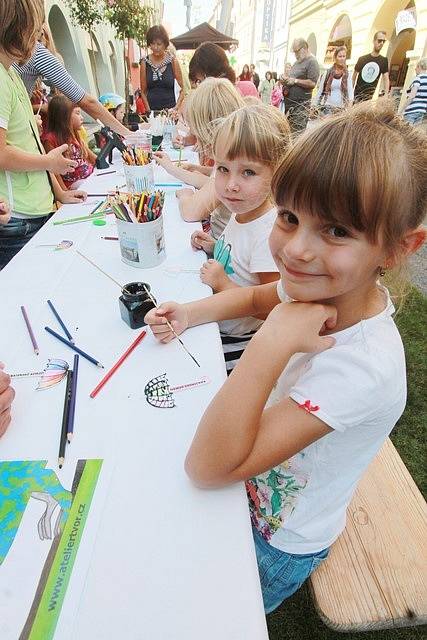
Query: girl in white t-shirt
[247,146]
[323,382]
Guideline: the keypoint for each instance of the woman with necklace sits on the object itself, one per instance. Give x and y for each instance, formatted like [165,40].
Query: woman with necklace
[159,70]
[335,86]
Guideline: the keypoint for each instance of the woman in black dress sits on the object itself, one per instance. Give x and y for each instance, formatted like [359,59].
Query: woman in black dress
[159,70]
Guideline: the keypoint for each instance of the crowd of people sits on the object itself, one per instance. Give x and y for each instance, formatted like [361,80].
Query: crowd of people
[297,234]
[303,92]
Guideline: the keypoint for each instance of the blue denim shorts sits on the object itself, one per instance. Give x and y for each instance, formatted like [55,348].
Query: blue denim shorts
[16,233]
[282,573]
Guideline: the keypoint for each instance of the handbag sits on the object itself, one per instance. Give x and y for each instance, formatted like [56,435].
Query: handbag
[276,96]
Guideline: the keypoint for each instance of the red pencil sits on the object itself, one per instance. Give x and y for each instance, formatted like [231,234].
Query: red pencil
[114,368]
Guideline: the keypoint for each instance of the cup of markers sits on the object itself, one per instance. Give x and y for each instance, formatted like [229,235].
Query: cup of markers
[139,218]
[138,169]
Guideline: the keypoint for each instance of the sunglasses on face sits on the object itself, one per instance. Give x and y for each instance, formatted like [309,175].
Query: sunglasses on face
[380,40]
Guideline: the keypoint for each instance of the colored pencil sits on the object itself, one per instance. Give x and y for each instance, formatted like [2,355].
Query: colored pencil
[106,173]
[92,216]
[65,414]
[96,208]
[70,425]
[168,184]
[120,361]
[73,347]
[109,238]
[58,317]
[30,331]
[180,157]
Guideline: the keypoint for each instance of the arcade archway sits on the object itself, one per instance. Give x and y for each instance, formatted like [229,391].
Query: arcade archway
[65,45]
[312,44]
[341,34]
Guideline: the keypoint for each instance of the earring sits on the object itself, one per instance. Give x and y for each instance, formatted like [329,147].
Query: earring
[382,272]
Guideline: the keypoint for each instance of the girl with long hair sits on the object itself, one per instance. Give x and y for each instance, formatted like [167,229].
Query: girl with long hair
[335,85]
[64,122]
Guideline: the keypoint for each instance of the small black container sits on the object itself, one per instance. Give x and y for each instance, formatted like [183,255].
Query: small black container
[134,303]
[156,143]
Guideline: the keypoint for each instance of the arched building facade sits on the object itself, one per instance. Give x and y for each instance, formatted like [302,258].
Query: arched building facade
[96,62]
[84,59]
[354,22]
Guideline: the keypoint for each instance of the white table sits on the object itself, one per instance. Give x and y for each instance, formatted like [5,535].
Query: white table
[170,562]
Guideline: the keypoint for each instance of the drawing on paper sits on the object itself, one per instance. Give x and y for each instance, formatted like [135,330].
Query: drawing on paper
[21,481]
[61,526]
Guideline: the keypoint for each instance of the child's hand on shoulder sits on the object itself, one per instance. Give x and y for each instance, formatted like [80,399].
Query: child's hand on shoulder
[57,162]
[171,312]
[213,274]
[200,240]
[4,211]
[296,327]
[74,196]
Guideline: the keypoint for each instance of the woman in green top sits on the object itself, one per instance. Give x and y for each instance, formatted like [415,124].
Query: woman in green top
[26,172]
[266,87]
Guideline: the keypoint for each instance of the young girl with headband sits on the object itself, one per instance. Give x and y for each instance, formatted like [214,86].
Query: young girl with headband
[323,382]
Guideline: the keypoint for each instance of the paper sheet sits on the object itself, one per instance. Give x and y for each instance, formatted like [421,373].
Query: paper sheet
[48,524]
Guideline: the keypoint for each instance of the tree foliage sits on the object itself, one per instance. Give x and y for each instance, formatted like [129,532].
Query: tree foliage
[86,13]
[129,19]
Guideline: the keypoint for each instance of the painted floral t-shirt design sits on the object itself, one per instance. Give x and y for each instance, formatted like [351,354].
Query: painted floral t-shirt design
[273,495]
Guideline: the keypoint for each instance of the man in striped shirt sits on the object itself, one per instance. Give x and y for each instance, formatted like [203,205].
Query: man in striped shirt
[47,66]
[415,107]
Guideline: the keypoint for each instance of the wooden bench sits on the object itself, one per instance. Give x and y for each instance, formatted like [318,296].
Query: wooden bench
[376,574]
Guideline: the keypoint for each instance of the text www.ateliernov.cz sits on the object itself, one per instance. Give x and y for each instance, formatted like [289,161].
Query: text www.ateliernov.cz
[67,554]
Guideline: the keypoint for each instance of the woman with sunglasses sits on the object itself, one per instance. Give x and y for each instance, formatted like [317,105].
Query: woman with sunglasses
[368,70]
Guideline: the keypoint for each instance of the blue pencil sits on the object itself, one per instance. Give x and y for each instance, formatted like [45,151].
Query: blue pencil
[168,184]
[70,427]
[73,347]
[57,316]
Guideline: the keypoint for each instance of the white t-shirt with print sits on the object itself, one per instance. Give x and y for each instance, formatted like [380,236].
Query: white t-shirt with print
[250,255]
[358,388]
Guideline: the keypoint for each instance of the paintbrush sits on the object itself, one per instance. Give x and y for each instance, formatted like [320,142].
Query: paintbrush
[171,327]
[148,294]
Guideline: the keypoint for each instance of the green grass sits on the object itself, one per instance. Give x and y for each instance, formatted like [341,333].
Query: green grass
[296,618]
